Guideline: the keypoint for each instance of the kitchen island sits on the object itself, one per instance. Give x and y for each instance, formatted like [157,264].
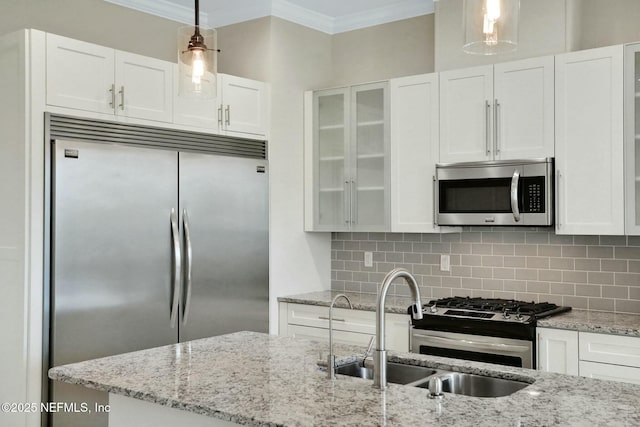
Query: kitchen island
[260,380]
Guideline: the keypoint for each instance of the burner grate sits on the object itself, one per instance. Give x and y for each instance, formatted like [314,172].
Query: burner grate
[495,305]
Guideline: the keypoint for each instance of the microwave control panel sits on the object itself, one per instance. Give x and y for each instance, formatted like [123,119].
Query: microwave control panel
[533,194]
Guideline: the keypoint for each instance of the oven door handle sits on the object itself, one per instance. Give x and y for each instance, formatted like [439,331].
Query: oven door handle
[514,195]
[475,344]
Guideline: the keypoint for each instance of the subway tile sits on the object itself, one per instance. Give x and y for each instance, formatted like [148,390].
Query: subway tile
[412,258]
[461,248]
[379,256]
[504,294]
[526,296]
[587,264]
[625,252]
[526,250]
[481,294]
[435,271]
[412,237]
[537,238]
[454,260]
[526,274]
[343,236]
[422,247]
[601,304]
[538,262]
[461,270]
[482,272]
[515,261]
[481,249]
[561,263]
[337,285]
[600,251]
[504,273]
[352,287]
[588,291]
[586,240]
[515,285]
[353,265]
[613,240]
[559,239]
[562,288]
[337,265]
[473,260]
[360,276]
[503,249]
[431,238]
[403,246]
[384,267]
[576,302]
[553,299]
[471,283]
[513,237]
[617,265]
[492,237]
[492,261]
[621,292]
[357,256]
[597,278]
[433,281]
[538,287]
[344,255]
[351,245]
[376,277]
[441,248]
[574,251]
[628,306]
[471,237]
[345,275]
[334,275]
[432,259]
[359,236]
[337,245]
[634,266]
[441,293]
[426,293]
[550,250]
[376,236]
[574,276]
[633,240]
[493,284]
[450,238]
[628,279]
[368,246]
[385,246]
[634,293]
[451,282]
[393,237]
[550,275]
[394,257]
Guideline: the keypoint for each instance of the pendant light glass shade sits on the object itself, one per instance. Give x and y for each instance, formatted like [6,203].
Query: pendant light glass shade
[490,26]
[197,67]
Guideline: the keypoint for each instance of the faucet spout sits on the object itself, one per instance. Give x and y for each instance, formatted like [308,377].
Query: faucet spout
[331,359]
[380,359]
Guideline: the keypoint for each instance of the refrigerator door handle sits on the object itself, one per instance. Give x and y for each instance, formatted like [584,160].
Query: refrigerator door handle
[188,259]
[177,267]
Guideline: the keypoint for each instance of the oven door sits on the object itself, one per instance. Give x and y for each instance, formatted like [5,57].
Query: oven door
[501,351]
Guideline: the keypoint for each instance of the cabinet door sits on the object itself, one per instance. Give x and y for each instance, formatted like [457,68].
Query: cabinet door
[589,142]
[414,152]
[79,75]
[144,87]
[202,113]
[331,183]
[466,99]
[557,351]
[604,371]
[523,109]
[370,168]
[632,137]
[244,104]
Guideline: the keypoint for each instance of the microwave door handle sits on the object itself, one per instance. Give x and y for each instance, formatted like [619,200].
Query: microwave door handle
[514,195]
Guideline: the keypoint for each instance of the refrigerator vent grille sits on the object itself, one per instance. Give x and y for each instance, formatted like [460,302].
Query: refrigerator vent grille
[93,130]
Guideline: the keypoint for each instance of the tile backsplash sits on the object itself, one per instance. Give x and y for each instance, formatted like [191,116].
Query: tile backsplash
[533,264]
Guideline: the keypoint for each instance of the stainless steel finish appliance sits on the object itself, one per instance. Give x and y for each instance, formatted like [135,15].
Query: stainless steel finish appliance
[154,241]
[484,330]
[505,192]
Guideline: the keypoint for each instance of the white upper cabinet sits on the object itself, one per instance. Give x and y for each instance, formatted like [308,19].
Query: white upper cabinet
[498,112]
[632,137]
[589,142]
[94,78]
[414,152]
[243,106]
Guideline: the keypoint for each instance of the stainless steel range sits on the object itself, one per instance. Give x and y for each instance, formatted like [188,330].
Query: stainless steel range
[498,331]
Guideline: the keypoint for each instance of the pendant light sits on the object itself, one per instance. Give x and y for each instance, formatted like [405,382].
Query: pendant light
[490,26]
[197,67]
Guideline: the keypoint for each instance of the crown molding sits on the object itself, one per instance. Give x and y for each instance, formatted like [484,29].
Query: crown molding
[165,9]
[240,13]
[303,16]
[382,15]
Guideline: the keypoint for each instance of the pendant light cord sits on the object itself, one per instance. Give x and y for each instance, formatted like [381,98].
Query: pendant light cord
[197,17]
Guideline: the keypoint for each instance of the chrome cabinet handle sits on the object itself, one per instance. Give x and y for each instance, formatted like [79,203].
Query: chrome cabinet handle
[514,195]
[121,92]
[475,344]
[354,203]
[227,114]
[347,202]
[220,116]
[334,319]
[487,125]
[496,127]
[176,267]
[112,104]
[188,260]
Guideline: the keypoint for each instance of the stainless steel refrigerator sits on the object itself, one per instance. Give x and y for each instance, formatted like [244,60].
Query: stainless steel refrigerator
[150,245]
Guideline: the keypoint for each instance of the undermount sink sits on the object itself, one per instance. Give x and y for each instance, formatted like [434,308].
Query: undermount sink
[452,382]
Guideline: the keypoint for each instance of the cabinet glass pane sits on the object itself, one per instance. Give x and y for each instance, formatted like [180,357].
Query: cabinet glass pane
[637,136]
[370,156]
[331,159]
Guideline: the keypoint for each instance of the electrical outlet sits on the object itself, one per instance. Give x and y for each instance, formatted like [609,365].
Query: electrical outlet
[445,263]
[368,259]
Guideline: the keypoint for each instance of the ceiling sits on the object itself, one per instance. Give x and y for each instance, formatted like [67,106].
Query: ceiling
[329,16]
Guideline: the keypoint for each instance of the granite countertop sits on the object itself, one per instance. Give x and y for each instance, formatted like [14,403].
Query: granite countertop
[579,320]
[261,380]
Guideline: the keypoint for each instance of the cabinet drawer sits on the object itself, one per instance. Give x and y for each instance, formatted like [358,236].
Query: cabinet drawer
[615,349]
[395,339]
[343,319]
[605,371]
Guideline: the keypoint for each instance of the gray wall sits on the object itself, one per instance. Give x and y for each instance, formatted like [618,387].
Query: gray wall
[594,272]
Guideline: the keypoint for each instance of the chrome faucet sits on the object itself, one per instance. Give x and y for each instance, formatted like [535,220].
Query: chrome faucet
[331,359]
[380,358]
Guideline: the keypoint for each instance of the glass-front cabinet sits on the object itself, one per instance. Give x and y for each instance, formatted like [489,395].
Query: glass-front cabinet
[350,159]
[632,137]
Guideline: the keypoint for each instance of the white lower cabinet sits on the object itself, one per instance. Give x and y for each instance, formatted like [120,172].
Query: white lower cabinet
[354,327]
[602,356]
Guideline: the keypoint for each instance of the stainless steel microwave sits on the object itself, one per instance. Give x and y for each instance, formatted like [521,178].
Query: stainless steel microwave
[504,192]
